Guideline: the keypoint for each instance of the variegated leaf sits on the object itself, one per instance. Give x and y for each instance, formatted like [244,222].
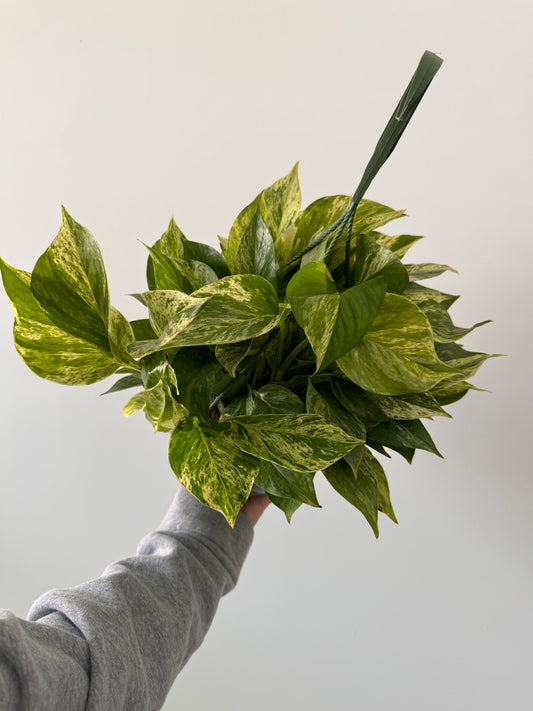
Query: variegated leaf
[369,215]
[397,354]
[47,350]
[399,244]
[449,392]
[230,310]
[427,270]
[231,355]
[454,387]
[444,331]
[120,333]
[372,259]
[255,251]
[333,322]
[183,274]
[468,362]
[407,407]
[167,307]
[297,442]
[236,232]
[134,404]
[417,292]
[280,205]
[177,263]
[218,474]
[313,219]
[70,284]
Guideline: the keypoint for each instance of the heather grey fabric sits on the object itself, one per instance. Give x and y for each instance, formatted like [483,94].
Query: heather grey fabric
[118,642]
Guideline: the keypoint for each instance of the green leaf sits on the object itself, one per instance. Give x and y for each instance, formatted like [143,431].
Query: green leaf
[399,244]
[408,433]
[47,350]
[320,401]
[333,322]
[427,271]
[287,484]
[216,473]
[255,251]
[276,399]
[128,381]
[359,488]
[142,330]
[397,355]
[297,442]
[384,502]
[288,506]
[356,400]
[198,374]
[378,447]
[230,310]
[406,452]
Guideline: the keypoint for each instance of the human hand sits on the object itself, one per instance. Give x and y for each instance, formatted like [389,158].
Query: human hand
[254,507]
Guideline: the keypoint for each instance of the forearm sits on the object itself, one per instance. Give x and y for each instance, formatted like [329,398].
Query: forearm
[133,629]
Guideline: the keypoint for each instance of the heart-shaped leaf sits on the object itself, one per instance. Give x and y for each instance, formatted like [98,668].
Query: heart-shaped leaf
[334,322]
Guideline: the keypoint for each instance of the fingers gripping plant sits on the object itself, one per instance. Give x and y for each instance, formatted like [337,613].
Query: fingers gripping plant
[302,346]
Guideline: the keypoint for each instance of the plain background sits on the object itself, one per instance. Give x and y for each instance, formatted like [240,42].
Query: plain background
[130,112]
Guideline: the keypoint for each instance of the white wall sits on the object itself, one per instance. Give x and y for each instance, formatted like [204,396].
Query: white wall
[129,112]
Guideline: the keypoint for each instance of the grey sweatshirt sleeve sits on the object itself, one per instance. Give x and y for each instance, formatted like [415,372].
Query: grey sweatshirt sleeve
[117,642]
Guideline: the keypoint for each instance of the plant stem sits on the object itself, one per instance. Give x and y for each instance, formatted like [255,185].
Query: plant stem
[292,355]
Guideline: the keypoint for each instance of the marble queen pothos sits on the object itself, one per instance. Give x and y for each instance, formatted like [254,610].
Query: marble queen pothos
[303,346]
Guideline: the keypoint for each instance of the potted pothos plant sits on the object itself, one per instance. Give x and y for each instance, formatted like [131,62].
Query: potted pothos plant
[305,344]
